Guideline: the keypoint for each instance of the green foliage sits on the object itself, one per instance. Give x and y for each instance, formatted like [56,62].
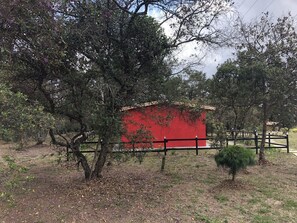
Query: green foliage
[85,60]
[13,166]
[220,136]
[235,158]
[141,138]
[256,86]
[121,157]
[234,91]
[190,85]
[15,176]
[20,119]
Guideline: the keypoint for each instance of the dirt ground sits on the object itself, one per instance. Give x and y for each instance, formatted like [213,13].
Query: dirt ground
[42,187]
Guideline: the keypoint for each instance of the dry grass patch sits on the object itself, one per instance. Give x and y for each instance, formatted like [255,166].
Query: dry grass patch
[190,189]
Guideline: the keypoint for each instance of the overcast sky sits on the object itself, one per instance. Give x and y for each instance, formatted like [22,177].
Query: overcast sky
[249,10]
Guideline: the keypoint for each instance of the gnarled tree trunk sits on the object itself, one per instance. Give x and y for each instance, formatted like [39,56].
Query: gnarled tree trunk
[101,160]
[81,160]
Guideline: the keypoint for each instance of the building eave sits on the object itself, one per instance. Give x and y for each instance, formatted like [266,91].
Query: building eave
[152,103]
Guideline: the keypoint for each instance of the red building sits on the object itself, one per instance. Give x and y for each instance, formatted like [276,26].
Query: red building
[154,121]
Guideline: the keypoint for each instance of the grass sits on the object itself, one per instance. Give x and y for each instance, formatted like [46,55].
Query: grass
[190,189]
[293,140]
[290,205]
[221,198]
[262,219]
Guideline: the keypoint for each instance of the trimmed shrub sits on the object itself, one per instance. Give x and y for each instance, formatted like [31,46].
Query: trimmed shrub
[235,158]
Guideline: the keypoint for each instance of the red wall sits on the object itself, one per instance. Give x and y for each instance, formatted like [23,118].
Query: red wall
[166,121]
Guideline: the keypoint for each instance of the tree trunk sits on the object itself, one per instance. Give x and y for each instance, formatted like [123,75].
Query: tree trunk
[101,160]
[262,159]
[233,176]
[82,160]
[108,135]
[74,146]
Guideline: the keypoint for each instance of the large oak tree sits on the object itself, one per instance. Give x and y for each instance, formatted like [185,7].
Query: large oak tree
[85,60]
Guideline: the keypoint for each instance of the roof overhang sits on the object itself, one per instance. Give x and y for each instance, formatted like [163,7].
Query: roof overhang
[152,103]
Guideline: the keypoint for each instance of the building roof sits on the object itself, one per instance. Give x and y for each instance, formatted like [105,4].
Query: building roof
[269,123]
[152,103]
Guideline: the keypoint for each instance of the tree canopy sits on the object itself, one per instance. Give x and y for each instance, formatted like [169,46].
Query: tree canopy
[263,76]
[85,60]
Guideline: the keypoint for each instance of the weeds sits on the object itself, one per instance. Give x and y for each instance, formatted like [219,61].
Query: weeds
[221,198]
[263,219]
[290,204]
[202,218]
[14,178]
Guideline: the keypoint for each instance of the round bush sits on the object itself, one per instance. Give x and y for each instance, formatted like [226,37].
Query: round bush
[235,158]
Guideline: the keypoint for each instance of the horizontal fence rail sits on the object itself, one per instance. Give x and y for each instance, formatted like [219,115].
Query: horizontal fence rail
[249,140]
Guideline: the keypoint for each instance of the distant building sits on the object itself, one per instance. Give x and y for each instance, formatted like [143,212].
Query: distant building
[272,126]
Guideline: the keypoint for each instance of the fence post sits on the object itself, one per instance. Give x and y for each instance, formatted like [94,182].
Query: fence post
[269,141]
[233,136]
[256,141]
[163,163]
[196,140]
[287,138]
[101,142]
[165,148]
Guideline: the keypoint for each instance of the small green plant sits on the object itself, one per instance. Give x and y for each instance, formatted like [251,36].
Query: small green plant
[264,210]
[14,178]
[140,156]
[201,218]
[13,166]
[235,158]
[263,219]
[221,198]
[121,157]
[290,204]
[7,197]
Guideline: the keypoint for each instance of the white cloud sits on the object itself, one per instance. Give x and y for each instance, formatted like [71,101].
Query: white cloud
[275,7]
[249,10]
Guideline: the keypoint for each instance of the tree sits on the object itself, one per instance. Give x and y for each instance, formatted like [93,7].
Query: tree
[21,120]
[196,86]
[269,49]
[189,85]
[234,91]
[85,60]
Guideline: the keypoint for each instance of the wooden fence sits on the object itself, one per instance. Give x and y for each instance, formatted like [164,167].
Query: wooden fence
[272,141]
[249,140]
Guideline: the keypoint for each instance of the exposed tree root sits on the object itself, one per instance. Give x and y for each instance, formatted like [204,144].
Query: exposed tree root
[264,162]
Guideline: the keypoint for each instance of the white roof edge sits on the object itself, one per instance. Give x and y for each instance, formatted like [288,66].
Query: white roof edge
[147,104]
